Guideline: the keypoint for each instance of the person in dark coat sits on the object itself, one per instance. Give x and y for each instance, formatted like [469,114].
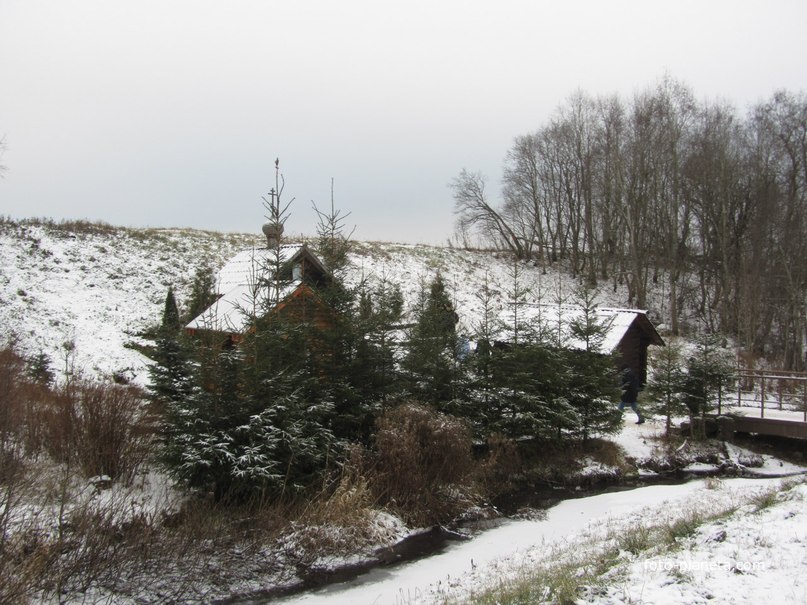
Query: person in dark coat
[630,391]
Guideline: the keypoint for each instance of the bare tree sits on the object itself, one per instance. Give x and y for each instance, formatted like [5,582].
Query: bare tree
[610,186]
[473,209]
[524,197]
[784,122]
[675,109]
[721,205]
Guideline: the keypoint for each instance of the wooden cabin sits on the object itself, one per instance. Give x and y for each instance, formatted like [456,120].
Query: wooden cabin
[255,282]
[635,334]
[628,332]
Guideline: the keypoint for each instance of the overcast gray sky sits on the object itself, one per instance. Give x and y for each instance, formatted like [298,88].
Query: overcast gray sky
[171,112]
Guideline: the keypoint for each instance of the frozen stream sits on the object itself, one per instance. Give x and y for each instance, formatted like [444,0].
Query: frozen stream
[414,582]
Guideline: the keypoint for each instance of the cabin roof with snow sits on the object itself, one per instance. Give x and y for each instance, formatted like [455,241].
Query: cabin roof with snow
[559,318]
[246,285]
[628,332]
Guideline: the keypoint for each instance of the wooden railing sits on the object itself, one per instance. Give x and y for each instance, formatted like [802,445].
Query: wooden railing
[771,389]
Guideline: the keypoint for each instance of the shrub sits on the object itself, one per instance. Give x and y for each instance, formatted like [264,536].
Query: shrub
[501,466]
[683,527]
[11,372]
[423,463]
[20,413]
[103,427]
[336,523]
[765,499]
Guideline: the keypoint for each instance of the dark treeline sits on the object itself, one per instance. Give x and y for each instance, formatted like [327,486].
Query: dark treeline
[664,189]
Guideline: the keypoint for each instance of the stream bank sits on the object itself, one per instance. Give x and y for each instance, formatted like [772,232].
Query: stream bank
[533,502]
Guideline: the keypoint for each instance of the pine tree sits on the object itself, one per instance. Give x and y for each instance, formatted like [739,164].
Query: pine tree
[481,410]
[259,425]
[290,401]
[171,374]
[376,362]
[333,243]
[530,399]
[39,370]
[203,291]
[517,294]
[709,371]
[170,322]
[343,378]
[666,384]
[592,380]
[431,361]
[259,421]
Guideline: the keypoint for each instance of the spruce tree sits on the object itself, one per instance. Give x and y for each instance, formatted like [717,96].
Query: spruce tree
[342,375]
[592,377]
[481,409]
[259,423]
[290,405]
[530,399]
[517,293]
[170,322]
[709,372]
[333,240]
[666,384]
[376,363]
[203,291]
[431,361]
[527,374]
[173,380]
[39,370]
[171,373]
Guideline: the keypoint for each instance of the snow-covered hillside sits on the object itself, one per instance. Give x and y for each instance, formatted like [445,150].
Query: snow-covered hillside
[466,273]
[99,286]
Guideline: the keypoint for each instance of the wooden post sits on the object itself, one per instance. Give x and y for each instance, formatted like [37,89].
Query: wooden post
[804,403]
[762,400]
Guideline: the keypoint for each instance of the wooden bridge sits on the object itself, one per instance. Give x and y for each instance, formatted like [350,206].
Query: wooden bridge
[792,429]
[768,403]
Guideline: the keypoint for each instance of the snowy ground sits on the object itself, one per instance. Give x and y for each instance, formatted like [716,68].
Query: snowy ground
[642,443]
[768,547]
[752,557]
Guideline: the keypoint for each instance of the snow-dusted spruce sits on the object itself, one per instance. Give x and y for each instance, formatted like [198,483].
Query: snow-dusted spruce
[258,423]
[432,363]
[376,364]
[709,372]
[665,388]
[591,380]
